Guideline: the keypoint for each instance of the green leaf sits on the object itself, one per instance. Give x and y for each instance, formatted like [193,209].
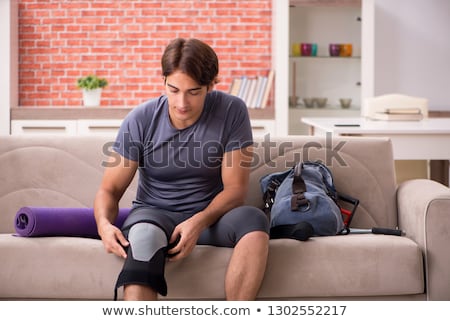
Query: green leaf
[91,82]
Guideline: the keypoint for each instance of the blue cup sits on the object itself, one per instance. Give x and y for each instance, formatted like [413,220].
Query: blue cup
[314,49]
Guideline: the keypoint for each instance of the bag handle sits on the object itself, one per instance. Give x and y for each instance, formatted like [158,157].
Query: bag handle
[298,199]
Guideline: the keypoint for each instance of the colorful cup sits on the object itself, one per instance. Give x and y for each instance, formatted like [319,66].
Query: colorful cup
[335,49]
[346,50]
[296,49]
[314,49]
[306,49]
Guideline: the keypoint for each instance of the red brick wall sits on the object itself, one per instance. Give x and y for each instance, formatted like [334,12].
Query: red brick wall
[122,40]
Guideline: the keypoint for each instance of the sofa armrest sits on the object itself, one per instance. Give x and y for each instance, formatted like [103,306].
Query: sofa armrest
[424,215]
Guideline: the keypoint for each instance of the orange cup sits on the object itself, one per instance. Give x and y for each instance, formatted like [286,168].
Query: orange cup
[346,50]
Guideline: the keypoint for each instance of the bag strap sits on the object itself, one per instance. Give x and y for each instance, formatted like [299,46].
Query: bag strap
[298,198]
[269,196]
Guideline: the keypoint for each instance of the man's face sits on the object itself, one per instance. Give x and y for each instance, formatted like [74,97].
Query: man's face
[186,99]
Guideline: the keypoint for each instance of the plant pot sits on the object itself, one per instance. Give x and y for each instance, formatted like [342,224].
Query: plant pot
[91,98]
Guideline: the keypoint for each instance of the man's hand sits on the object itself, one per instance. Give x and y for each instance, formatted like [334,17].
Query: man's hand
[113,240]
[184,238]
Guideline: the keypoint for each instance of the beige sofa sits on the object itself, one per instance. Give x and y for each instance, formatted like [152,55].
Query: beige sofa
[66,171]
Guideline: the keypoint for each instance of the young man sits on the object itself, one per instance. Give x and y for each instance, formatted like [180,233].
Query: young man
[192,147]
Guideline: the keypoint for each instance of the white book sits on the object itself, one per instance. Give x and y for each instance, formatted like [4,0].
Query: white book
[235,86]
[399,116]
[261,88]
[243,89]
[403,111]
[268,88]
[251,93]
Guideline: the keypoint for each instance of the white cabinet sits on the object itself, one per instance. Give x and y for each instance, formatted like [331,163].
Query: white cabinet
[332,78]
[66,127]
[98,126]
[322,75]
[262,127]
[320,22]
[296,127]
[43,127]
[102,127]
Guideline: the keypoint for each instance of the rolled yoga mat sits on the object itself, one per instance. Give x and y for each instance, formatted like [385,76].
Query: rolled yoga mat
[60,221]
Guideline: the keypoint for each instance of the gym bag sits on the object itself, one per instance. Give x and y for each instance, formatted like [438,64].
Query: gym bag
[303,202]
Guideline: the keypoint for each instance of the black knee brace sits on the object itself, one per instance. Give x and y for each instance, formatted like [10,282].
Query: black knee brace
[146,257]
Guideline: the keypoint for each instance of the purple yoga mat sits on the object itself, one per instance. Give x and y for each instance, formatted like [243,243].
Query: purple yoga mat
[62,221]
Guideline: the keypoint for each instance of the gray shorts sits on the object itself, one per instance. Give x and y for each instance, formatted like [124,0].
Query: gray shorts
[226,232]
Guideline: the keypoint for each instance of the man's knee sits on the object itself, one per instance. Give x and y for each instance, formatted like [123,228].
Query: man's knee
[145,239]
[257,217]
[146,257]
[249,219]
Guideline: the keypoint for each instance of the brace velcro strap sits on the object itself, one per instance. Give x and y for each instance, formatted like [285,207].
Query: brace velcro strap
[149,273]
[156,282]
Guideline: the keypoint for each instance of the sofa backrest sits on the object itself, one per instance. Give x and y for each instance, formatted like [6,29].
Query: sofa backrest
[66,171]
[362,168]
[51,171]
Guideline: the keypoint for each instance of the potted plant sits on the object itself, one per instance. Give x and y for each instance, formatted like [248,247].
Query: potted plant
[92,89]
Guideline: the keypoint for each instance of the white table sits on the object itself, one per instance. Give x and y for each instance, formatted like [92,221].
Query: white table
[425,139]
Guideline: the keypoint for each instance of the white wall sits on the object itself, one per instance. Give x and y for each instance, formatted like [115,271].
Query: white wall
[8,62]
[412,49]
[280,52]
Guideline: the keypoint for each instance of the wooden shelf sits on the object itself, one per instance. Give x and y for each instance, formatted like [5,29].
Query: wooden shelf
[263,113]
[328,3]
[56,113]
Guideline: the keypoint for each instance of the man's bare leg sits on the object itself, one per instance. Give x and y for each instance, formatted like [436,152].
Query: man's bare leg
[247,266]
[137,292]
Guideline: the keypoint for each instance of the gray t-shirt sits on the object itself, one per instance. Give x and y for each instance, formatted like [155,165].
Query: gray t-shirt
[180,170]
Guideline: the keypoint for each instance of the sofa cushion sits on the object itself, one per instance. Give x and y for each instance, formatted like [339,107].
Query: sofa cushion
[337,266]
[56,267]
[347,265]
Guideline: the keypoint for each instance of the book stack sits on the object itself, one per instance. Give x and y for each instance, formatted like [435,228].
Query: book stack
[254,91]
[399,114]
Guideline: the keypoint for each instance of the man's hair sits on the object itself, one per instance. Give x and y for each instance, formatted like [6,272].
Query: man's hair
[192,57]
